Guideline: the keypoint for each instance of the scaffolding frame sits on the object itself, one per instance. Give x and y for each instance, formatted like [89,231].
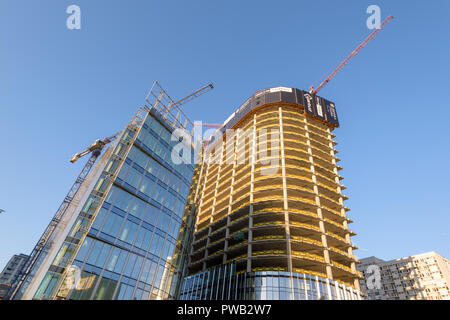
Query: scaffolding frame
[169,109]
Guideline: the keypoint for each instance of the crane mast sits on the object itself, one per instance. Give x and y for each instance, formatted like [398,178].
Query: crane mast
[46,240]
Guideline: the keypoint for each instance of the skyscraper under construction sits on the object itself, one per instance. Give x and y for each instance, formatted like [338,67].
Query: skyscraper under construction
[271,221]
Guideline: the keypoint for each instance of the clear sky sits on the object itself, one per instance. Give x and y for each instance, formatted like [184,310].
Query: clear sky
[61,89]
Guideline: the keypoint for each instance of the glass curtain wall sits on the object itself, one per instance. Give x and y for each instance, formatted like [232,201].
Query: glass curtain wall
[129,250]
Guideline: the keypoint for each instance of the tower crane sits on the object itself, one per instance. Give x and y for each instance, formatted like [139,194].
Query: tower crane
[212,125]
[169,108]
[95,147]
[45,242]
[193,95]
[313,90]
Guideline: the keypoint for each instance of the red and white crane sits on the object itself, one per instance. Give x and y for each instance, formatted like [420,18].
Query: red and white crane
[313,90]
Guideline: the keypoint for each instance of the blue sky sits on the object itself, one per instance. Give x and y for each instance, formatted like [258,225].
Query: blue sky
[61,89]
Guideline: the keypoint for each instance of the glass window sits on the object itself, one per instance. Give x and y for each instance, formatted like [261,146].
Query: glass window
[151,216]
[120,261]
[113,259]
[132,154]
[98,222]
[146,186]
[145,270]
[153,167]
[105,290]
[125,292]
[123,200]
[84,248]
[133,178]
[163,222]
[151,142]
[90,205]
[168,250]
[128,231]
[137,267]
[138,294]
[160,150]
[120,149]
[151,273]
[284,282]
[156,127]
[95,252]
[179,209]
[124,172]
[130,265]
[78,228]
[103,255]
[165,135]
[137,208]
[156,245]
[47,286]
[285,295]
[112,194]
[140,158]
[174,228]
[142,135]
[159,276]
[147,240]
[84,288]
[143,238]
[113,224]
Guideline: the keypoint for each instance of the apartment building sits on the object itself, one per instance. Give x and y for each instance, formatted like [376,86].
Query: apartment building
[423,276]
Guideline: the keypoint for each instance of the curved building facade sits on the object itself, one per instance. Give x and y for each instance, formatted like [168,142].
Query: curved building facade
[271,220]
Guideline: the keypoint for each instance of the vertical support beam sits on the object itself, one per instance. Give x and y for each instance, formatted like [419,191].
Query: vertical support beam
[208,162]
[252,158]
[328,289]
[233,174]
[285,195]
[337,287]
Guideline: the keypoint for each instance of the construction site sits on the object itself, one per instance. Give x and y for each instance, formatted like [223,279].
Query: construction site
[135,225]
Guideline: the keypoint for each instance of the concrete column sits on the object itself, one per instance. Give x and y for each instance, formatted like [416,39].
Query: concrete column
[285,195]
[252,158]
[323,237]
[214,202]
[234,141]
[328,289]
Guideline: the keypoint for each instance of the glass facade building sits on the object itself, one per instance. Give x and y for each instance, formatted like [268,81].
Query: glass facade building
[124,242]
